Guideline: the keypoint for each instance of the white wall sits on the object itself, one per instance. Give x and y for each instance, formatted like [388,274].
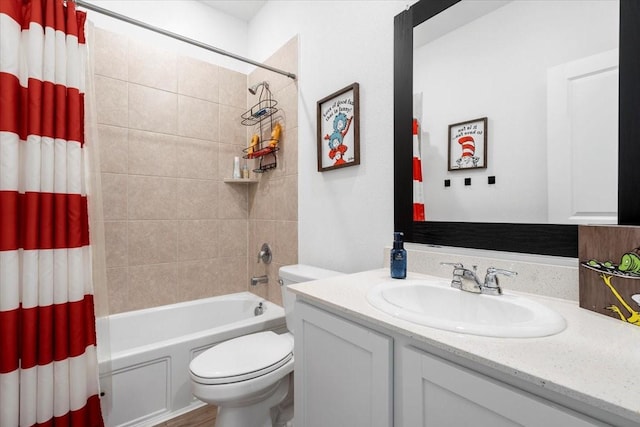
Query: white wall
[496,66]
[345,215]
[188,18]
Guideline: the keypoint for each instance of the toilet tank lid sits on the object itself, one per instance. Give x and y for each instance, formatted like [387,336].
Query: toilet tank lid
[303,273]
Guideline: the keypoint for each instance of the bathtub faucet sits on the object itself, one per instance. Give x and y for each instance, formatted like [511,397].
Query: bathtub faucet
[259,279]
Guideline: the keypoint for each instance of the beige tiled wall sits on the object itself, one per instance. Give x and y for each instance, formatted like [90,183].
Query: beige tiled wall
[273,203]
[169,128]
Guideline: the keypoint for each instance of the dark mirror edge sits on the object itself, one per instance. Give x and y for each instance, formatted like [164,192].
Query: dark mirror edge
[542,239]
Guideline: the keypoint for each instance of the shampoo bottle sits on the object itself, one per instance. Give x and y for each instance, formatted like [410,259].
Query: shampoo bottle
[398,257]
[236,168]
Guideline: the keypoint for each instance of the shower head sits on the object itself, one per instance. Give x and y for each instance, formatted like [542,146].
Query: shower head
[254,89]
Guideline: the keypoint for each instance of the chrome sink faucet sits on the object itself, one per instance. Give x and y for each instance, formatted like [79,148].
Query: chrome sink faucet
[489,286]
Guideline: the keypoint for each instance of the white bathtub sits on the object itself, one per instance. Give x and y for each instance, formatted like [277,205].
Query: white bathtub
[146,379]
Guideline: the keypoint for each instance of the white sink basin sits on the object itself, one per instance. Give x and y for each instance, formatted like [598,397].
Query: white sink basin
[436,304]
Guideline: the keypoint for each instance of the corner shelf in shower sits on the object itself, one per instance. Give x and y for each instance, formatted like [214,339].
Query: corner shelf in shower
[240,180]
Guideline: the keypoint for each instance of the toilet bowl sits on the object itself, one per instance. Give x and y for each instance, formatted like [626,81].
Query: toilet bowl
[247,377]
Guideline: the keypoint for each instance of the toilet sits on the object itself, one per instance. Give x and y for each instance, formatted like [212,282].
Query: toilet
[247,376]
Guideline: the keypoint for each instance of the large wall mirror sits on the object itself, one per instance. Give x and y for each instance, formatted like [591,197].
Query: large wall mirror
[559,85]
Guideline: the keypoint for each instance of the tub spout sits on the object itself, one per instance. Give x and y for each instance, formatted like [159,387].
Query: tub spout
[259,279]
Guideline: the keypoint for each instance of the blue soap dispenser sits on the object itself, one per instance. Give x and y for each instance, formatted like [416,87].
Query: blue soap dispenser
[398,257]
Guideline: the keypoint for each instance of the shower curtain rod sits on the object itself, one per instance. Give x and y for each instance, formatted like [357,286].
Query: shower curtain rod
[124,18]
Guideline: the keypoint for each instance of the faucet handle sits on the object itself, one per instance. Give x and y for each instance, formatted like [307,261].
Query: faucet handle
[456,265]
[492,271]
[491,283]
[265,254]
[458,270]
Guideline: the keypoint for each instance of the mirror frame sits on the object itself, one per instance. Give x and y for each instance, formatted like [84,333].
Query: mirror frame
[543,239]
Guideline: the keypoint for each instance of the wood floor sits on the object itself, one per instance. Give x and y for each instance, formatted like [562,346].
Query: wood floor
[201,417]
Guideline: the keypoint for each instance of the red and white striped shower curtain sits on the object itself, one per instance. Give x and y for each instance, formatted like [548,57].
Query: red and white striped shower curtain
[48,367]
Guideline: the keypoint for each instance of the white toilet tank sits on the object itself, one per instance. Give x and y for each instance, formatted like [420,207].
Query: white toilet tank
[298,273]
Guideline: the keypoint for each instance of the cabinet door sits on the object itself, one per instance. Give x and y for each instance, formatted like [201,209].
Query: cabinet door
[343,373]
[438,393]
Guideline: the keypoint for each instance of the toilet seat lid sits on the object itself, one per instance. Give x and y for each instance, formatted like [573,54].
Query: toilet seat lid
[242,358]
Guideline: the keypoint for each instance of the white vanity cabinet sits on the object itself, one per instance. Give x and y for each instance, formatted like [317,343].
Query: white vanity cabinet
[343,372]
[357,366]
[436,393]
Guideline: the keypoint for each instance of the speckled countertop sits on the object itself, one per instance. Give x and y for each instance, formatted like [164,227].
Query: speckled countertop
[595,360]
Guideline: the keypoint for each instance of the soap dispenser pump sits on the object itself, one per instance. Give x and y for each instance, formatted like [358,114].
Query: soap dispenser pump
[398,257]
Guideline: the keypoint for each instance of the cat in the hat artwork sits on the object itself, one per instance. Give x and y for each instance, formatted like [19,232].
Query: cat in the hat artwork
[468,158]
[468,144]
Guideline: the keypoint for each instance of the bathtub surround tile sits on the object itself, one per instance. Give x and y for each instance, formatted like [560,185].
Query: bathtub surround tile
[259,75]
[197,240]
[232,274]
[152,197]
[152,154]
[111,50]
[153,67]
[152,109]
[271,291]
[287,204]
[233,88]
[285,58]
[198,79]
[113,106]
[257,270]
[115,234]
[152,242]
[287,102]
[285,242]
[174,230]
[288,154]
[233,132]
[198,119]
[196,158]
[277,82]
[232,201]
[152,285]
[114,147]
[197,199]
[260,232]
[232,238]
[197,279]
[262,199]
[226,153]
[273,202]
[261,290]
[114,196]
[118,289]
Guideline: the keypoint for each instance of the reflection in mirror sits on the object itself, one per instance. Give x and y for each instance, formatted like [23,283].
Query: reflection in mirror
[545,74]
[533,238]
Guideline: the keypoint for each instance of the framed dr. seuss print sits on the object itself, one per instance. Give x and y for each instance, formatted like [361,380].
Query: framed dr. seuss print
[339,129]
[468,145]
